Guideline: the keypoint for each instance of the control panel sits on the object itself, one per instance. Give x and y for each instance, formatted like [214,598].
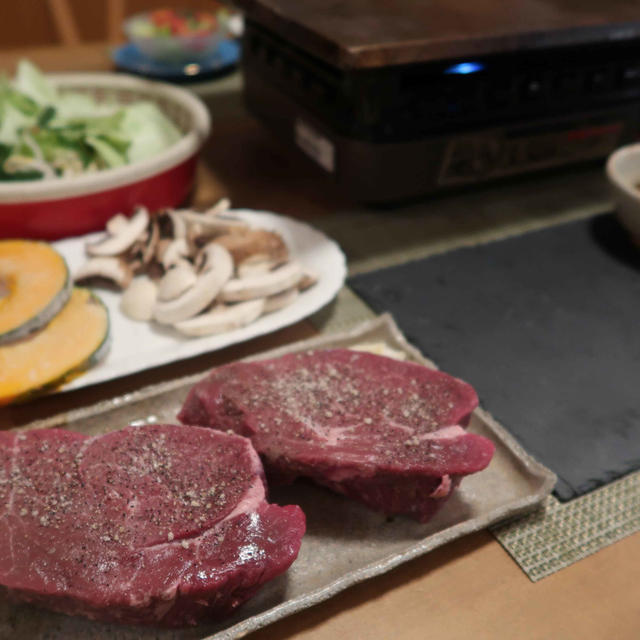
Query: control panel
[479,157]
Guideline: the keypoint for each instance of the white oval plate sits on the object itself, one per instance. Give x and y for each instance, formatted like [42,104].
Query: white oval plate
[136,346]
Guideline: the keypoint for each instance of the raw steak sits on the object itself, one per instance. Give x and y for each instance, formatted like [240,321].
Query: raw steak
[385,432]
[159,524]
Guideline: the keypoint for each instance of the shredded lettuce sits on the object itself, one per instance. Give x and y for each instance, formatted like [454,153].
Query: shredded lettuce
[148,129]
[12,121]
[31,82]
[48,133]
[107,152]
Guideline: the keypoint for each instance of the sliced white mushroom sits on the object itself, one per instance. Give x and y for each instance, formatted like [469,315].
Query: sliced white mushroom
[223,317]
[262,285]
[143,250]
[216,271]
[308,279]
[210,224]
[161,247]
[115,244]
[178,225]
[109,268]
[196,238]
[171,224]
[220,207]
[116,224]
[281,300]
[139,298]
[244,244]
[173,252]
[177,280]
[256,265]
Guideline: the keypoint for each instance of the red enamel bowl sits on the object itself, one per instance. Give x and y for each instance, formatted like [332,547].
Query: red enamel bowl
[75,205]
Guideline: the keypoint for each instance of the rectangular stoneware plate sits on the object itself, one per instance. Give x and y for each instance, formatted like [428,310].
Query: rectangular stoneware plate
[345,542]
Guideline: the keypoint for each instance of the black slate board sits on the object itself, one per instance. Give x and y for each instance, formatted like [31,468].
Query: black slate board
[546,327]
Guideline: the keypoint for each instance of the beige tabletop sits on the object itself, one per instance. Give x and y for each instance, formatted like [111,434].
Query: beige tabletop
[470,588]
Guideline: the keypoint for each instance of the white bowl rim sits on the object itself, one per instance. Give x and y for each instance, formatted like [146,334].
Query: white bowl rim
[108,179]
[613,172]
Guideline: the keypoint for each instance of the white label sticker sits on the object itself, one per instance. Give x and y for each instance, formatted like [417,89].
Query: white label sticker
[315,145]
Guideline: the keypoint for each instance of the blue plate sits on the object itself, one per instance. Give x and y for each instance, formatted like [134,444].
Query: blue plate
[224,59]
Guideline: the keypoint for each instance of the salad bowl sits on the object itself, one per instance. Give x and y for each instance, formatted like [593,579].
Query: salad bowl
[69,205]
[177,36]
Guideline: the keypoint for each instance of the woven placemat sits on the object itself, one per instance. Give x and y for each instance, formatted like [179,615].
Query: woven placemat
[557,535]
[560,534]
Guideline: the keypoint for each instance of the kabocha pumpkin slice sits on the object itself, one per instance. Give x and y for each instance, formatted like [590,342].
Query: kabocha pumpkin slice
[73,341]
[34,286]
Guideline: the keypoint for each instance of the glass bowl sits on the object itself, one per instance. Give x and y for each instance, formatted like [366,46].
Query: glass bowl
[172,47]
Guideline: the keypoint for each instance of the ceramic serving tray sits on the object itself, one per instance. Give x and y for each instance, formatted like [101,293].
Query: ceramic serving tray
[345,542]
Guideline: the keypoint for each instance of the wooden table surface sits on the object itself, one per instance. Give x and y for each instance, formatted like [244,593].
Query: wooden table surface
[470,588]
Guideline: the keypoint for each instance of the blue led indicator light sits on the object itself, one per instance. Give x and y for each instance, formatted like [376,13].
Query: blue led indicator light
[465,68]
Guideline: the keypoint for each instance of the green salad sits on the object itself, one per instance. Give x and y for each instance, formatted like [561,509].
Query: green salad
[46,133]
